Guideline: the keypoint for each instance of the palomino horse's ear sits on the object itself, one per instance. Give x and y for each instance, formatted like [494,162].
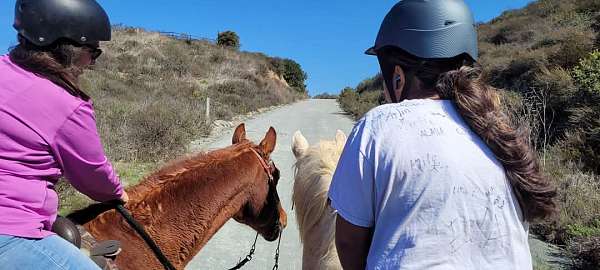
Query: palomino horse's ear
[299,144]
[239,134]
[340,137]
[268,143]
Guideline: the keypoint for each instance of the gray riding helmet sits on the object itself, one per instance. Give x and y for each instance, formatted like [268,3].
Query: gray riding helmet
[429,29]
[42,22]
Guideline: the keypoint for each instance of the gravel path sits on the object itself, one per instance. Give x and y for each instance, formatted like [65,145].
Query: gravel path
[317,119]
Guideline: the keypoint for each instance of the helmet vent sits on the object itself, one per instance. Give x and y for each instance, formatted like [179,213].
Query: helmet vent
[449,22]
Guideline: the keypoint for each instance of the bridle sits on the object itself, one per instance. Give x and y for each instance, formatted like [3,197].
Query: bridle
[269,168]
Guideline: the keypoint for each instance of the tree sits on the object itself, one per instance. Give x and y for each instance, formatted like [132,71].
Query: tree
[290,71]
[228,39]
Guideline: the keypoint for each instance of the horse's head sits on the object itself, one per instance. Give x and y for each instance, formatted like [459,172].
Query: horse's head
[263,211]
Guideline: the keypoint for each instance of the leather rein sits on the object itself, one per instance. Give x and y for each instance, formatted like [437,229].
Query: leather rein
[139,228]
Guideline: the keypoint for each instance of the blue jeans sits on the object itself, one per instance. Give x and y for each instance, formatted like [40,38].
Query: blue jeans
[49,253]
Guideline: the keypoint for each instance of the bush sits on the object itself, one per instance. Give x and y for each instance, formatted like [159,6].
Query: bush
[587,74]
[358,104]
[228,39]
[520,72]
[291,72]
[325,96]
[502,36]
[374,83]
[583,139]
[574,46]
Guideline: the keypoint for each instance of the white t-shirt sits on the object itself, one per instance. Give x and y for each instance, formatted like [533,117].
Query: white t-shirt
[433,192]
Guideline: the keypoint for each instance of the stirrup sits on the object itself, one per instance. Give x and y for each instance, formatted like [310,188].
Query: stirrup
[108,248]
[103,251]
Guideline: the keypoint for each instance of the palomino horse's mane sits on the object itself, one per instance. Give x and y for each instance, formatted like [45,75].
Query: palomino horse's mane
[312,182]
[314,170]
[183,169]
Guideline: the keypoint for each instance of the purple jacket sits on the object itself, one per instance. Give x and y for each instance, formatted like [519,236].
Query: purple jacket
[44,133]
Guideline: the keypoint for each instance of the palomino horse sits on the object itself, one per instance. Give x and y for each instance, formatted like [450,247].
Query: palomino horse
[315,166]
[185,203]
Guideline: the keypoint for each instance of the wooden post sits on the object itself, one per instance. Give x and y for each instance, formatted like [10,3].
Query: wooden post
[207,116]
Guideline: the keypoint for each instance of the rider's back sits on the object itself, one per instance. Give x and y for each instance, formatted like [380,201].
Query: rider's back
[434,193]
[43,128]
[32,109]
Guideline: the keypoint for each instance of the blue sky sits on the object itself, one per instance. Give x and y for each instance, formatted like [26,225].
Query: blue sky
[327,38]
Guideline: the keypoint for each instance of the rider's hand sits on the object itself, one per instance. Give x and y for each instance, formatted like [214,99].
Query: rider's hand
[124,197]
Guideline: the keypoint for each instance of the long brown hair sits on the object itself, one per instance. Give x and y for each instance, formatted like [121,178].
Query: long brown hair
[56,63]
[479,105]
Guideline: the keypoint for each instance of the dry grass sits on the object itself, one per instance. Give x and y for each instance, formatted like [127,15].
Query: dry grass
[149,91]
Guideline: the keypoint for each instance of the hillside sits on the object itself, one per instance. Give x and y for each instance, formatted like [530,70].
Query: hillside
[150,90]
[545,58]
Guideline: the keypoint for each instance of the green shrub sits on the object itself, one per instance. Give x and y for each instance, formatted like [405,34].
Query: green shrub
[358,104]
[587,74]
[291,71]
[579,230]
[228,39]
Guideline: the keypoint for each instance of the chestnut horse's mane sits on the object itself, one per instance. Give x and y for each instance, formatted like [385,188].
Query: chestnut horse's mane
[176,172]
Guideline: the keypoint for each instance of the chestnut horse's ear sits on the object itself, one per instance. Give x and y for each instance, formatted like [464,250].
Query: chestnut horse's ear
[268,143]
[239,134]
[299,144]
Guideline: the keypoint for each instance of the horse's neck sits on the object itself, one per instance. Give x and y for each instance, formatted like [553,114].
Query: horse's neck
[182,217]
[319,250]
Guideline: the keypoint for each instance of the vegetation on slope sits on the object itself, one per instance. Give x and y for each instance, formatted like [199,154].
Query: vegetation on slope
[545,57]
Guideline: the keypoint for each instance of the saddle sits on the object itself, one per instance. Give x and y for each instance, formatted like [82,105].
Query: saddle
[102,253]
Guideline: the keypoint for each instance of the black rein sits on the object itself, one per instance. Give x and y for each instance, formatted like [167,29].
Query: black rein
[139,228]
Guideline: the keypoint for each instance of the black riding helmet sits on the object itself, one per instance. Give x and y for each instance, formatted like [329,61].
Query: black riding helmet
[428,30]
[43,22]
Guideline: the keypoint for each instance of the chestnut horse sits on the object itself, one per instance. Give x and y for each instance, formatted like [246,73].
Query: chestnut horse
[314,169]
[185,203]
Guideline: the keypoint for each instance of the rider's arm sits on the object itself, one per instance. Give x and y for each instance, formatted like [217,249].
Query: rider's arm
[352,243]
[352,194]
[78,149]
